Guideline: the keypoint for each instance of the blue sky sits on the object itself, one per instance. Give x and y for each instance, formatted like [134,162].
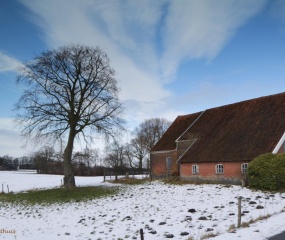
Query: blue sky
[171,57]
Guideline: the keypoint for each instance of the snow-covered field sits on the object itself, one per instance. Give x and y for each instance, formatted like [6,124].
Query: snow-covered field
[161,210]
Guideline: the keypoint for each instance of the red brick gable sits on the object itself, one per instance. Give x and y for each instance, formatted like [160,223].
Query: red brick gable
[235,132]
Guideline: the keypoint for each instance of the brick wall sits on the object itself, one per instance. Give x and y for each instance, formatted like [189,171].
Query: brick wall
[207,172]
[158,164]
[158,160]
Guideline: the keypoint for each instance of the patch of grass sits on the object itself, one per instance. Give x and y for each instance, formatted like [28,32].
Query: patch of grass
[245,224]
[130,181]
[58,195]
[263,217]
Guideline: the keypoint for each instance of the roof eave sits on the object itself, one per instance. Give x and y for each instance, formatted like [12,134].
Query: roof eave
[162,151]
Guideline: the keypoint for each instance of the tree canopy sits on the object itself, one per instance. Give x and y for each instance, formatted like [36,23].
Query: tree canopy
[70,89]
[145,137]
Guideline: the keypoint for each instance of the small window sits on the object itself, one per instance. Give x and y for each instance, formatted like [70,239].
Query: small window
[168,163]
[195,169]
[244,168]
[219,169]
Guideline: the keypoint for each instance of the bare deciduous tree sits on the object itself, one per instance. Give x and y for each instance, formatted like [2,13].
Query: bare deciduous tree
[139,150]
[86,158]
[151,130]
[71,90]
[145,137]
[115,157]
[42,157]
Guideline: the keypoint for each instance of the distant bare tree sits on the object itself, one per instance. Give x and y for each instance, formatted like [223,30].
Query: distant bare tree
[71,90]
[25,162]
[115,157]
[96,157]
[42,157]
[86,158]
[145,137]
[151,130]
[139,150]
[8,163]
[131,160]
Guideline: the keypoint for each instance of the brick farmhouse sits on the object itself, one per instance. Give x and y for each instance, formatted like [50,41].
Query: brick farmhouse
[217,144]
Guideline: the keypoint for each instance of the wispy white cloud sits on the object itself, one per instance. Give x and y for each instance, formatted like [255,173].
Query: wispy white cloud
[146,41]
[8,63]
[108,25]
[201,29]
[130,31]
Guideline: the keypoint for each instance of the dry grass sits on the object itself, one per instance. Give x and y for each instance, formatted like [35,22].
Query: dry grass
[231,228]
[208,235]
[247,224]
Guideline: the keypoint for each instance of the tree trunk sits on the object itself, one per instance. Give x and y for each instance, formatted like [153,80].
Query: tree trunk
[69,180]
[140,165]
[116,173]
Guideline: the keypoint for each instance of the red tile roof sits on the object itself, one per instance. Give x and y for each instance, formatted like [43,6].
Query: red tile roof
[235,132]
[178,127]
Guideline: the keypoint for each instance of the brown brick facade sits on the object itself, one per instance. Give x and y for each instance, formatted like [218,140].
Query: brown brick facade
[158,164]
[207,172]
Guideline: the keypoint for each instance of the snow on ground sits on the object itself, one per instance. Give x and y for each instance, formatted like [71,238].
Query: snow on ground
[28,180]
[161,210]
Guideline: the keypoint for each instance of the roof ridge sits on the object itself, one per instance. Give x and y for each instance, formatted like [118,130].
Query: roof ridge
[248,100]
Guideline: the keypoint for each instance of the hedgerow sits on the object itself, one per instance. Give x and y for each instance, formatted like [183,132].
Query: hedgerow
[267,172]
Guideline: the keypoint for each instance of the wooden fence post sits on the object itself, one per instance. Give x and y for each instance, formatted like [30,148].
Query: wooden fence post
[141,233]
[239,212]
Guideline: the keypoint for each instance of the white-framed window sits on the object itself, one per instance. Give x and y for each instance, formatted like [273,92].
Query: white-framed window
[219,169]
[168,163]
[195,169]
[244,168]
